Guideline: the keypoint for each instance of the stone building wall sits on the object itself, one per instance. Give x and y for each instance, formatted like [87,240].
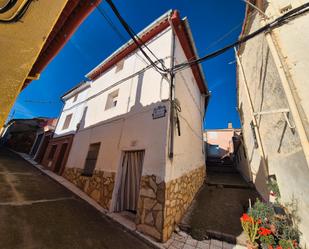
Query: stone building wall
[150,206]
[179,194]
[100,186]
[162,205]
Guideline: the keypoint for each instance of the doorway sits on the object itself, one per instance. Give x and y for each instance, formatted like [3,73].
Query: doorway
[131,173]
[60,158]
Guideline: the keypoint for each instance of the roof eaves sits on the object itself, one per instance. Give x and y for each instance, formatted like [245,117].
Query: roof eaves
[129,43]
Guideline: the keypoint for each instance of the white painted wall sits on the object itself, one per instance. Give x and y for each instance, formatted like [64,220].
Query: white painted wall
[76,109]
[189,147]
[129,125]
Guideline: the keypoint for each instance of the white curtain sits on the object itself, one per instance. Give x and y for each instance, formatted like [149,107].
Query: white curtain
[130,181]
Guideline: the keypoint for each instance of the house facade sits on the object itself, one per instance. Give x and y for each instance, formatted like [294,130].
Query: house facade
[59,144]
[20,134]
[219,142]
[131,151]
[42,139]
[273,102]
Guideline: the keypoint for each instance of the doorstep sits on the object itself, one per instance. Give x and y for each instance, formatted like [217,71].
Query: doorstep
[178,240]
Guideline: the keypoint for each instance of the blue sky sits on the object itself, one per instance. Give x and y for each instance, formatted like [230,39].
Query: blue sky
[95,40]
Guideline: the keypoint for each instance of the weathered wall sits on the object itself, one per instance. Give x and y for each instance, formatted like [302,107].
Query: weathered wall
[293,41]
[282,147]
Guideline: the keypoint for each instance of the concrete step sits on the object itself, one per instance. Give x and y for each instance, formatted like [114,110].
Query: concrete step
[221,169]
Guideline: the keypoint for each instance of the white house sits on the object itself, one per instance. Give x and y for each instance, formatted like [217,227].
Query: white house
[128,152]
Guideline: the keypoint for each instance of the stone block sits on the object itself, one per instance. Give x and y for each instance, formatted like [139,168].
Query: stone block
[147,192]
[149,230]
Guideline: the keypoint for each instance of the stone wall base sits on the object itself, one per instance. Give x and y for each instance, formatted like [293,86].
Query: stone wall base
[179,194]
[99,186]
[162,205]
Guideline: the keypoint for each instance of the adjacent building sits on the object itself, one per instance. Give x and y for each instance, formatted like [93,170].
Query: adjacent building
[219,142]
[132,136]
[273,102]
[20,134]
[42,139]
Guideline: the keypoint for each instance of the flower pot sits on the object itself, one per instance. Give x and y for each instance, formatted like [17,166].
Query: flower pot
[250,245]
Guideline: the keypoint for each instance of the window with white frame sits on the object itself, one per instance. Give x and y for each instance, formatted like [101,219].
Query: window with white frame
[112,100]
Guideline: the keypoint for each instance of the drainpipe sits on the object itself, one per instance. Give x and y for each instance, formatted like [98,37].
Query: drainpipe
[256,128]
[171,98]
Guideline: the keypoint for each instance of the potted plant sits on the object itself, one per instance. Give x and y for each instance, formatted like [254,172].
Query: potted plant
[251,228]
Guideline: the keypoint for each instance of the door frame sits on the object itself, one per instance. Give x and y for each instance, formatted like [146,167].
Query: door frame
[119,176]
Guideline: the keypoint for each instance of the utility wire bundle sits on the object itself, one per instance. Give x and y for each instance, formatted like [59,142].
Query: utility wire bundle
[273,24]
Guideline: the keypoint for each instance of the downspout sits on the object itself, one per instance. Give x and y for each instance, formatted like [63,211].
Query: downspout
[256,129]
[172,95]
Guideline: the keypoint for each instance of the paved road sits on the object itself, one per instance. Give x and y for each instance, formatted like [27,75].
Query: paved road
[38,213]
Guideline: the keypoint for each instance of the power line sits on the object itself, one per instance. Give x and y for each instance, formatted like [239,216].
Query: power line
[134,37]
[117,31]
[274,24]
[111,23]
[40,101]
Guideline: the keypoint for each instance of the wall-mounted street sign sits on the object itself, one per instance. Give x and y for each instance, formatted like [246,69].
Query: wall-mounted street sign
[159,112]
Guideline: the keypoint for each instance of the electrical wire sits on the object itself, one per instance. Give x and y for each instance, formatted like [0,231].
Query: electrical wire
[274,24]
[134,38]
[117,31]
[224,36]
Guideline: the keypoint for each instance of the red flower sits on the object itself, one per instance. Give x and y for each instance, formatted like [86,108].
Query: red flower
[270,247]
[259,221]
[246,218]
[265,232]
[279,247]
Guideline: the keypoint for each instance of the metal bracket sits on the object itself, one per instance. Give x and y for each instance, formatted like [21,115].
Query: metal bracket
[283,111]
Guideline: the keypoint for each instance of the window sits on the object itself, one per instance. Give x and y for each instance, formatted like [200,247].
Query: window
[119,66]
[91,159]
[75,98]
[67,121]
[112,100]
[52,152]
